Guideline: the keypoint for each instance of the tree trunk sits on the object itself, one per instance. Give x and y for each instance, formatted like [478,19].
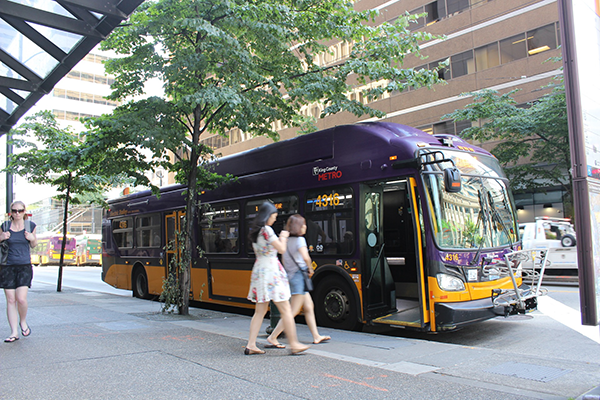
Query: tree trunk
[190,216]
[64,241]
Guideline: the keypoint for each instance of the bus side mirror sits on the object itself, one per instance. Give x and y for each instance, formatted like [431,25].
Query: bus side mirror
[452,180]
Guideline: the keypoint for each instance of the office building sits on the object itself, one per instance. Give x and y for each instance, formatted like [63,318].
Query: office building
[501,45]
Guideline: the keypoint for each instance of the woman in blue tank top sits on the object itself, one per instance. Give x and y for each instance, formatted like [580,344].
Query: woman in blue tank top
[16,275]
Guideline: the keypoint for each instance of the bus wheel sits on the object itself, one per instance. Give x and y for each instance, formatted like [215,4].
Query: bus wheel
[335,304]
[140,283]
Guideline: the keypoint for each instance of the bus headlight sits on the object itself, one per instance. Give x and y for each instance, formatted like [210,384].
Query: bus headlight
[450,283]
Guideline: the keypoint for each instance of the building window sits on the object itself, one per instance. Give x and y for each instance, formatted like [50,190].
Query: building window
[456,6]
[420,22]
[487,57]
[446,127]
[462,64]
[513,48]
[541,39]
[443,73]
[435,11]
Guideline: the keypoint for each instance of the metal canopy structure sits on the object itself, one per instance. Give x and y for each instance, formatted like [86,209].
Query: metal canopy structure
[42,40]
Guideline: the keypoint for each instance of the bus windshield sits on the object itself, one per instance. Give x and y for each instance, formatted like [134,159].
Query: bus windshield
[481,215]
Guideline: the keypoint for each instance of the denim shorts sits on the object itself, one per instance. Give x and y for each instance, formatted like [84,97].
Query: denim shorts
[14,276]
[297,283]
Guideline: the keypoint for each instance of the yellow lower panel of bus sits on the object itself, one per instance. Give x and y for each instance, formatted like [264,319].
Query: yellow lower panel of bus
[436,294]
[482,290]
[230,283]
[112,275]
[156,276]
[67,256]
[473,291]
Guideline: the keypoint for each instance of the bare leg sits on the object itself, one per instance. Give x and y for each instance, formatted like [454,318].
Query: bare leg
[22,306]
[257,319]
[11,311]
[289,326]
[296,304]
[309,316]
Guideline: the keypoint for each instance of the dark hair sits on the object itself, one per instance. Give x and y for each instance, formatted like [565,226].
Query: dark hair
[294,224]
[264,212]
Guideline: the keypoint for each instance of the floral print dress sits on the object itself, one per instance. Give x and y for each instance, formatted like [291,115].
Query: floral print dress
[269,280]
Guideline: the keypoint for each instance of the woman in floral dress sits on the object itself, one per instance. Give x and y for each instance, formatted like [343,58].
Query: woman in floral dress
[269,279]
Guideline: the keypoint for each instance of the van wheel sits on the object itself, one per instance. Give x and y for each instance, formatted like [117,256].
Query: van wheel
[335,304]
[568,241]
[140,284]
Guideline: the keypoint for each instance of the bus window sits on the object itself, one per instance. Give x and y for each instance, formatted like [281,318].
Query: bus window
[220,229]
[147,231]
[123,232]
[286,206]
[330,221]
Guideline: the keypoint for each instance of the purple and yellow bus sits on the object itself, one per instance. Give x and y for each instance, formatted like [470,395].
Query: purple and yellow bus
[404,228]
[48,248]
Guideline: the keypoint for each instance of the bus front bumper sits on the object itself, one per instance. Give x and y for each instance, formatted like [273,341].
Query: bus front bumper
[450,316]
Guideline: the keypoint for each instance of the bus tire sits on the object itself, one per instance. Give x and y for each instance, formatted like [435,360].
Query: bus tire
[335,304]
[140,283]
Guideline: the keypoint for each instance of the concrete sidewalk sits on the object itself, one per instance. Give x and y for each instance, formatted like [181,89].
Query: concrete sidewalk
[91,345]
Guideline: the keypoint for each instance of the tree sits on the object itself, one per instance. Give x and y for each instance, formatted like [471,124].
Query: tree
[59,158]
[534,145]
[245,64]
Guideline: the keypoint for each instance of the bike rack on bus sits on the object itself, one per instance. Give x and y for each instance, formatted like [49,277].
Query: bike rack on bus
[519,300]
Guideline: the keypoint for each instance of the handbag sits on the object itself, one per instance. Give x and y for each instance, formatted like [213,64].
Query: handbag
[308,283]
[4,246]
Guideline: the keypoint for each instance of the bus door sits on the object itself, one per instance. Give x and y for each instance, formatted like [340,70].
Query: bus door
[173,225]
[403,251]
[379,296]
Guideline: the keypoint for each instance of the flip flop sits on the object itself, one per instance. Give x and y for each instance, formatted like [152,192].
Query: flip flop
[28,330]
[11,339]
[274,346]
[323,339]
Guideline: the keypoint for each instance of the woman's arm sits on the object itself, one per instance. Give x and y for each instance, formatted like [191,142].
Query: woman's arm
[32,238]
[280,243]
[307,260]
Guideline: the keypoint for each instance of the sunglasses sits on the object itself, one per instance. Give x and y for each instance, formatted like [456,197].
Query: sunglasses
[18,211]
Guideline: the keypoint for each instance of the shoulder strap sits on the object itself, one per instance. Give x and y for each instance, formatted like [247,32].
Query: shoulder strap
[5,226]
[27,225]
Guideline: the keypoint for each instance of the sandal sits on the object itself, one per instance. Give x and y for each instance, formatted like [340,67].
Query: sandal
[248,351]
[271,345]
[26,332]
[11,339]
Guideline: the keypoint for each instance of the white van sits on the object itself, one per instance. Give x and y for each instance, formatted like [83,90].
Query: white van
[555,234]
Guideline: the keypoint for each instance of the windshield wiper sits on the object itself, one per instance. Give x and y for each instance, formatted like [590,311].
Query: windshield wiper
[482,207]
[496,215]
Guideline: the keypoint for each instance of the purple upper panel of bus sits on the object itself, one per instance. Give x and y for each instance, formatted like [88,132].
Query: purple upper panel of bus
[56,243]
[347,153]
[335,156]
[358,143]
